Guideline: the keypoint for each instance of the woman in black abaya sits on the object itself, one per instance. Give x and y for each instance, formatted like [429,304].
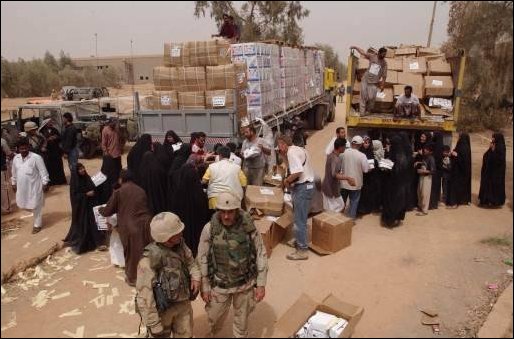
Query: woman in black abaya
[172,142]
[394,201]
[492,179]
[83,235]
[190,204]
[370,192]
[411,176]
[435,194]
[459,187]
[154,181]
[52,155]
[135,156]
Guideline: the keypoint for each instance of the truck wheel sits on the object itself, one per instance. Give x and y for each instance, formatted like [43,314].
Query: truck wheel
[320,117]
[88,148]
[331,113]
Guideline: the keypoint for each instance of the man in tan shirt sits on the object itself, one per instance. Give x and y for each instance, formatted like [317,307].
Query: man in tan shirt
[111,147]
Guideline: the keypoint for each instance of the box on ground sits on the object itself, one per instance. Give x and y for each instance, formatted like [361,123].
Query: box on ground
[439,86]
[294,318]
[269,200]
[331,232]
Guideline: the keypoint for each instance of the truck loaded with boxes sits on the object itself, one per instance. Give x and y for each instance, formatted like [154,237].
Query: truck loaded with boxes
[436,80]
[217,87]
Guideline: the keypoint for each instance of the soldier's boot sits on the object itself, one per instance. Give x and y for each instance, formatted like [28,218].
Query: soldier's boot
[298,255]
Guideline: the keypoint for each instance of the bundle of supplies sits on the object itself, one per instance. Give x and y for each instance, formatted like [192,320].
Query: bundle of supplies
[322,325]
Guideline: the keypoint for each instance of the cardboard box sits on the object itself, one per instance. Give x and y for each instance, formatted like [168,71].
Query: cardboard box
[191,100]
[296,316]
[424,51]
[395,64]
[439,86]
[163,100]
[392,77]
[220,99]
[362,64]
[406,50]
[415,65]
[398,90]
[270,200]
[265,228]
[356,87]
[385,96]
[197,53]
[231,76]
[390,52]
[439,67]
[413,79]
[331,232]
[182,79]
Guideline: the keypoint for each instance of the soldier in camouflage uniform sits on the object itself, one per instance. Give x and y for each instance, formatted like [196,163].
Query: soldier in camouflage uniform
[233,263]
[168,278]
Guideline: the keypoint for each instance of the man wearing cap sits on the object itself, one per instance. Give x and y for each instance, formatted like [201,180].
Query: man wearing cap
[375,75]
[233,264]
[29,180]
[168,278]
[355,164]
[36,140]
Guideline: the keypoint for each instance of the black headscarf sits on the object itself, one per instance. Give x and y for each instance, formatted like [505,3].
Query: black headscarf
[83,235]
[162,155]
[438,147]
[459,189]
[411,177]
[191,204]
[154,181]
[176,138]
[135,156]
[492,178]
[371,197]
[180,157]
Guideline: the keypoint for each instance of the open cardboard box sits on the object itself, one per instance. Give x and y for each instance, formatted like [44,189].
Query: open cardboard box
[298,314]
[273,231]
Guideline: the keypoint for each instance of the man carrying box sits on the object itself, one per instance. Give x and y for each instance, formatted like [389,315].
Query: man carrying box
[407,105]
[376,74]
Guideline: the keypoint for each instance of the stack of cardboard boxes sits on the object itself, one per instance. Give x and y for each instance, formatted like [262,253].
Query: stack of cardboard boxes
[425,69]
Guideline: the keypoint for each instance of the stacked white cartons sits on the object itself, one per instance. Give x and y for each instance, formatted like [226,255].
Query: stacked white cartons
[258,59]
[291,75]
[276,105]
[319,68]
[310,79]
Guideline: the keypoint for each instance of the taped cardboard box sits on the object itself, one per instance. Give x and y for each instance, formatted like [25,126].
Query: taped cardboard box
[331,232]
[391,77]
[305,307]
[424,51]
[231,76]
[439,67]
[385,96]
[182,79]
[220,99]
[163,100]
[439,86]
[191,100]
[174,54]
[395,64]
[197,53]
[406,51]
[165,78]
[415,65]
[413,79]
[270,200]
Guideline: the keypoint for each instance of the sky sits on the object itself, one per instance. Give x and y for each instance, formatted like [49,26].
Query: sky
[29,28]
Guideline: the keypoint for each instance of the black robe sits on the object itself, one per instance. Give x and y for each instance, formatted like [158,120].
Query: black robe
[435,194]
[53,156]
[394,197]
[190,203]
[370,191]
[135,156]
[179,159]
[411,176]
[154,182]
[83,235]
[459,186]
[492,179]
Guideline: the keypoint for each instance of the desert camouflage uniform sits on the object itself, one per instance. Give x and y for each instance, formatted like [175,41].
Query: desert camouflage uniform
[178,319]
[242,296]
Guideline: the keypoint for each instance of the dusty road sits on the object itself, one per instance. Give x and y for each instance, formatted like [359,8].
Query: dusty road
[436,261]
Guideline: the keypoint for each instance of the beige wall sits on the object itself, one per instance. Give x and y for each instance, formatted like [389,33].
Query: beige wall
[143,66]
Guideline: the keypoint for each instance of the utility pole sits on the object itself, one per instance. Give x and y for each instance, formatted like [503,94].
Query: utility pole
[133,80]
[431,25]
[96,50]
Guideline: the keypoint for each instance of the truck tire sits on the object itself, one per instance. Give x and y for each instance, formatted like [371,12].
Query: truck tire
[88,148]
[320,117]
[331,113]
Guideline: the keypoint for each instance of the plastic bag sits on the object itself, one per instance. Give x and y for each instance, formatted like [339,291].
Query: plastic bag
[116,249]
[269,138]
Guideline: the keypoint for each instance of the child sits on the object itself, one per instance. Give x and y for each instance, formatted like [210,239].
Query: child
[447,166]
[425,169]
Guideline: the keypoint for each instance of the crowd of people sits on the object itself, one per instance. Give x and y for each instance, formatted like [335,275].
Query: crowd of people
[179,213]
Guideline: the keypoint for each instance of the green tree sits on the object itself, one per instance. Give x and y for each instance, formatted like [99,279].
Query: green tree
[483,29]
[65,60]
[50,60]
[259,20]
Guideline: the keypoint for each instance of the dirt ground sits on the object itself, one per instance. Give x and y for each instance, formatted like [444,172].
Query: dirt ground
[436,261]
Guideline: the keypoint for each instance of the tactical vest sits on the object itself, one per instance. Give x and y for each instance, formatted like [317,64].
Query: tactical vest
[172,274]
[232,255]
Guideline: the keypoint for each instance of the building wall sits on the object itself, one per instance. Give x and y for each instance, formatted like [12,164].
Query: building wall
[142,65]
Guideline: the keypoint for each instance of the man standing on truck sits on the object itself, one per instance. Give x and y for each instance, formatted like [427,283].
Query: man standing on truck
[375,75]
[253,151]
[407,104]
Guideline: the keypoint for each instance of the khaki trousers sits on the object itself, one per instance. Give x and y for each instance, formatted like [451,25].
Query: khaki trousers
[177,320]
[424,190]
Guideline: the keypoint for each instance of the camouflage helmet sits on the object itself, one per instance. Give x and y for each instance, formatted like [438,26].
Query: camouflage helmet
[164,226]
[29,126]
[227,201]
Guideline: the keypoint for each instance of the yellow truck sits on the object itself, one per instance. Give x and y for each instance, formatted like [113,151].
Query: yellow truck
[384,122]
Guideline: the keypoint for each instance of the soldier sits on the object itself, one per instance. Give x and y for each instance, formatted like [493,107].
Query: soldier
[233,263]
[168,278]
